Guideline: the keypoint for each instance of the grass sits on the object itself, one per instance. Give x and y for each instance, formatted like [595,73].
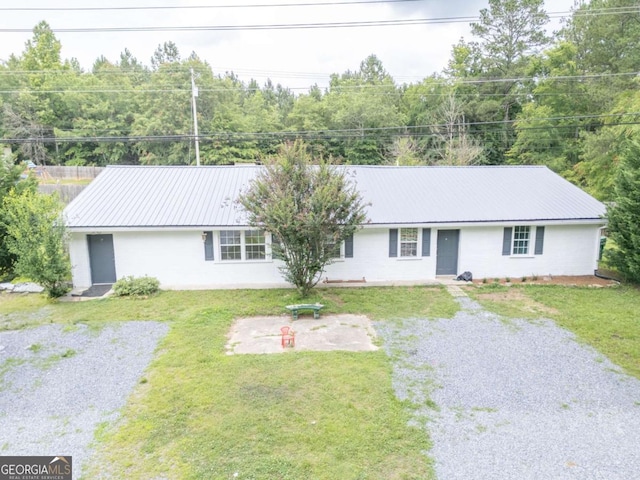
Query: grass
[203,414]
[605,318]
[174,306]
[64,181]
[199,413]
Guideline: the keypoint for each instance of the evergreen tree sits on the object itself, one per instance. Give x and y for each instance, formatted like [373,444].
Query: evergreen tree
[624,215]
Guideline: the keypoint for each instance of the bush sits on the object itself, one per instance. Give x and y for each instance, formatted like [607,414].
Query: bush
[35,235]
[136,287]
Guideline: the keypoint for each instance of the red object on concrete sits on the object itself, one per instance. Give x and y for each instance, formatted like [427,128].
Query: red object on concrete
[288,337]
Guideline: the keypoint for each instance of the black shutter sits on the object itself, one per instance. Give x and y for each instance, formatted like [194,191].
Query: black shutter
[426,242]
[208,246]
[348,247]
[506,241]
[539,240]
[393,242]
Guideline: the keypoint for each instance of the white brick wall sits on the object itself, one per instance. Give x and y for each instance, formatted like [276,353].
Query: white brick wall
[176,258]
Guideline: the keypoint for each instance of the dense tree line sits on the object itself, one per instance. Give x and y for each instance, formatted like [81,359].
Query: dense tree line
[511,94]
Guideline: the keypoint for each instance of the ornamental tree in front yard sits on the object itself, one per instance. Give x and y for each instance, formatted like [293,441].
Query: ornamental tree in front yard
[309,206]
[624,215]
[36,236]
[10,180]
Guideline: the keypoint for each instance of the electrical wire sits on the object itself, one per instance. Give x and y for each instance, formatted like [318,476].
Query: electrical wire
[448,82]
[315,25]
[202,7]
[336,134]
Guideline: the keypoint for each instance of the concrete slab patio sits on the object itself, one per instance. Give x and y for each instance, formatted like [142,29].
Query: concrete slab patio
[330,332]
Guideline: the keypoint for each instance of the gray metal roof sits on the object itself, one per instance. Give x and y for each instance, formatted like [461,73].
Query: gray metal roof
[125,196]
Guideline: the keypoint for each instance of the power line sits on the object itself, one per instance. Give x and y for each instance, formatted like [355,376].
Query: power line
[449,82]
[239,137]
[202,7]
[273,26]
[402,130]
[315,25]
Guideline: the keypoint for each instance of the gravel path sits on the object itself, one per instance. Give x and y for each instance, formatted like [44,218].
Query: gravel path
[57,385]
[515,399]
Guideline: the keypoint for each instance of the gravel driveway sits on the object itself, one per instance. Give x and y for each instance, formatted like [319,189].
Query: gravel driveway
[57,385]
[515,399]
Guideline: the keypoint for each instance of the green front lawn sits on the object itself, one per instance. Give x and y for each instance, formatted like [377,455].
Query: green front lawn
[199,413]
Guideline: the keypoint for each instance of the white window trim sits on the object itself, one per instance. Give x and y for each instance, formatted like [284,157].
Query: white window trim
[243,245]
[418,254]
[341,258]
[531,232]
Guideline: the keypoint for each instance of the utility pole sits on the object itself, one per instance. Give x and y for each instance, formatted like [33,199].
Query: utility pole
[194,94]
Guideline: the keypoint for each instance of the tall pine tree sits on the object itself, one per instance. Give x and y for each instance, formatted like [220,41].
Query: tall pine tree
[624,215]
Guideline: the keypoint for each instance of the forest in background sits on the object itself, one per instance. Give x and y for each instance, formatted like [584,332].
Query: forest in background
[511,95]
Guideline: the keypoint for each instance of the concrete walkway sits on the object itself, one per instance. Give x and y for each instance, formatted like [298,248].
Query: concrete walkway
[330,332]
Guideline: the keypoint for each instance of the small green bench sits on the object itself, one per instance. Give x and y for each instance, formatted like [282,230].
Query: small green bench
[315,307]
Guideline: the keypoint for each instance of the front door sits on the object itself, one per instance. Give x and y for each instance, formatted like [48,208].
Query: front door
[102,259]
[447,256]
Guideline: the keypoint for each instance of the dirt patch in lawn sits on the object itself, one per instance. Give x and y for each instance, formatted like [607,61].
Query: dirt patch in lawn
[517,296]
[568,280]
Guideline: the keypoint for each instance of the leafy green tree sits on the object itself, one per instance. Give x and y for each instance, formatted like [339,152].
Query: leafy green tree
[606,34]
[39,108]
[308,208]
[509,34]
[601,149]
[10,180]
[359,102]
[167,53]
[406,152]
[36,236]
[548,127]
[624,215]
[165,111]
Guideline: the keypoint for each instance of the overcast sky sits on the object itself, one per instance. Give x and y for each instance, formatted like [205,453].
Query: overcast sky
[295,58]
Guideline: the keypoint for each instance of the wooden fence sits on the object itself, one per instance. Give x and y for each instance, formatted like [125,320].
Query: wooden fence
[65,172]
[66,192]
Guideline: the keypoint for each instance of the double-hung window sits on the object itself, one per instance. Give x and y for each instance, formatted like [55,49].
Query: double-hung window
[230,245]
[334,248]
[242,245]
[255,245]
[521,240]
[403,242]
[408,242]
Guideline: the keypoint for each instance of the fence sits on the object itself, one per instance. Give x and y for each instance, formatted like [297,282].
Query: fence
[66,192]
[66,172]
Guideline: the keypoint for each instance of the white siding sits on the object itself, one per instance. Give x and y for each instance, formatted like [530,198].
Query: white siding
[79,254]
[568,250]
[177,258]
[371,260]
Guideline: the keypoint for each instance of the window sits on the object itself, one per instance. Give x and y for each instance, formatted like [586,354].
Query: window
[207,238]
[521,240]
[408,242]
[255,245]
[230,245]
[243,245]
[517,241]
[333,247]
